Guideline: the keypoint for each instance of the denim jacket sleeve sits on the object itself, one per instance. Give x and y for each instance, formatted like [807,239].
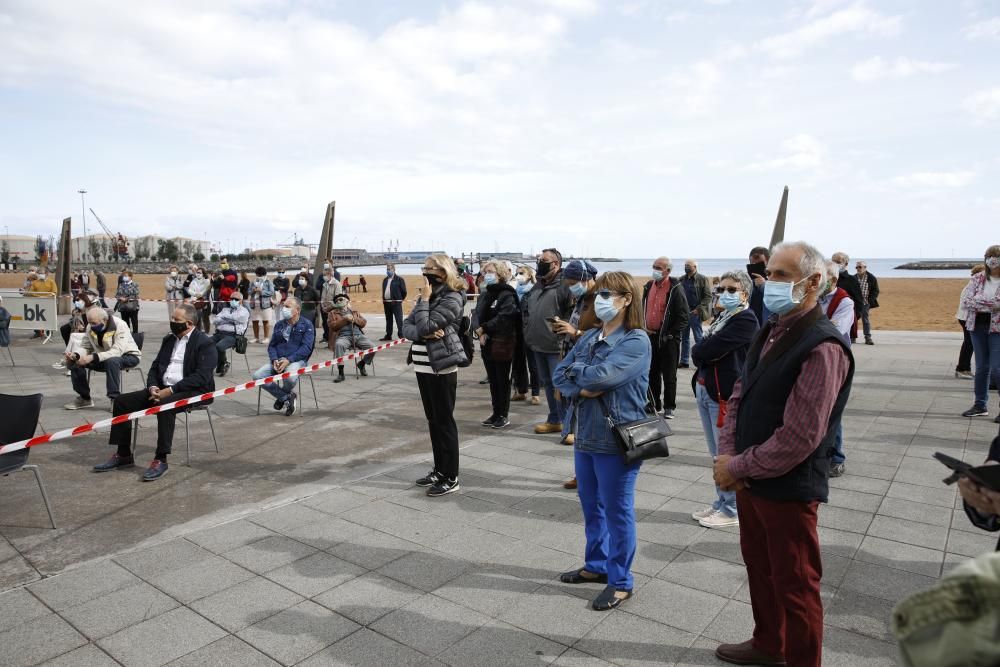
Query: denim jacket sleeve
[561,378]
[626,361]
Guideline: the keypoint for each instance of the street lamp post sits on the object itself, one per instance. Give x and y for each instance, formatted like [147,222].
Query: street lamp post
[83,209]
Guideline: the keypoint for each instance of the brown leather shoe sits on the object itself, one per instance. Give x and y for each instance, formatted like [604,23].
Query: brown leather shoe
[546,427]
[519,397]
[745,654]
[570,439]
[570,484]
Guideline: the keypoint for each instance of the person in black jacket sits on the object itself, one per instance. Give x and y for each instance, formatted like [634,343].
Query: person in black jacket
[496,312]
[869,293]
[719,357]
[849,284]
[757,268]
[666,315]
[183,368]
[393,295]
[983,505]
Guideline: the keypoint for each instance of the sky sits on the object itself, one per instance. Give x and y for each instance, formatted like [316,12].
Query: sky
[627,129]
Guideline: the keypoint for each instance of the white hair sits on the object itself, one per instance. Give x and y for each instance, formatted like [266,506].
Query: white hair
[812,260]
[741,277]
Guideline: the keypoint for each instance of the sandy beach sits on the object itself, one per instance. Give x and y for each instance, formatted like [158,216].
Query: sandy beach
[908,304]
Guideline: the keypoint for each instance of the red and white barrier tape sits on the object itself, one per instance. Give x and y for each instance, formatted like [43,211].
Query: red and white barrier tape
[87,428]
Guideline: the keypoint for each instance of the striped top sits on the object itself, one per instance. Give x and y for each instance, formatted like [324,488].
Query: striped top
[422,363]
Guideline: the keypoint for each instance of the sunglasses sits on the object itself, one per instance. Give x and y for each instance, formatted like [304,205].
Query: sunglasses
[731,290]
[607,294]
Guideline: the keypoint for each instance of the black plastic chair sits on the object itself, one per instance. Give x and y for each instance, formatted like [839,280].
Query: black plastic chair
[19,423]
[6,329]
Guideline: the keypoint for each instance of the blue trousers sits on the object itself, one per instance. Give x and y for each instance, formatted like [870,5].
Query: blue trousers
[606,487]
[838,445]
[282,389]
[986,346]
[693,327]
[708,409]
[546,365]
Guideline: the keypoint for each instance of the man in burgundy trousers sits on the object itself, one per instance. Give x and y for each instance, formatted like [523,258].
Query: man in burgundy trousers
[774,451]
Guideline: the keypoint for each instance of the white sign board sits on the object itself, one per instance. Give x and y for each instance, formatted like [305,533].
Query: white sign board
[31,312]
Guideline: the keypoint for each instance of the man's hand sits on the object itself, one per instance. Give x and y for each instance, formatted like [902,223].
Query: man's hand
[84,359]
[758,279]
[983,500]
[721,473]
[563,327]
[694,311]
[280,365]
[426,291]
[586,393]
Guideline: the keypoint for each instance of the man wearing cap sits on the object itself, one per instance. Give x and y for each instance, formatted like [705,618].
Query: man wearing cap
[347,329]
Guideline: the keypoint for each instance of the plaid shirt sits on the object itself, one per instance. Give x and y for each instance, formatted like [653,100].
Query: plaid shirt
[807,411]
[863,281]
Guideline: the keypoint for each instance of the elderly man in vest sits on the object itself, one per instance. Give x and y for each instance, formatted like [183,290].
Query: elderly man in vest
[774,451]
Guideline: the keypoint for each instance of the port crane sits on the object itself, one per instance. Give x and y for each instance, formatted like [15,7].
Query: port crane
[119,243]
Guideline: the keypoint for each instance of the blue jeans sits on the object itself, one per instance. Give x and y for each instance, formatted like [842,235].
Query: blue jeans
[838,445]
[709,411]
[283,388]
[694,327]
[546,364]
[986,347]
[606,487]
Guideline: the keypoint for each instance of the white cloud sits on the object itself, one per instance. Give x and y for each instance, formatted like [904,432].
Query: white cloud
[694,90]
[878,68]
[803,151]
[984,105]
[857,18]
[988,29]
[934,179]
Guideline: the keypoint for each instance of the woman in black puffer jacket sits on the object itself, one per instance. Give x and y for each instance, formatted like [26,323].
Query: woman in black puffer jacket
[433,325]
[496,312]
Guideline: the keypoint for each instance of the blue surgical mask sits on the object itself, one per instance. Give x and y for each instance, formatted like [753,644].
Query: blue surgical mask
[605,308]
[78,305]
[97,328]
[779,297]
[286,313]
[489,279]
[234,304]
[657,275]
[388,273]
[522,289]
[578,289]
[730,301]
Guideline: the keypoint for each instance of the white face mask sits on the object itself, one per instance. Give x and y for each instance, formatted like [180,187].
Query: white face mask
[173,274]
[302,282]
[41,276]
[521,279]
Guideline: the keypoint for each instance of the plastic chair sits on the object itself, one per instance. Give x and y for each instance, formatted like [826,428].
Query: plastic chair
[187,433]
[19,423]
[312,384]
[123,372]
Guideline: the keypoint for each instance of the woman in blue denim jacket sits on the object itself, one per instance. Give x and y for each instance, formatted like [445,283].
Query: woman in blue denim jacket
[609,365]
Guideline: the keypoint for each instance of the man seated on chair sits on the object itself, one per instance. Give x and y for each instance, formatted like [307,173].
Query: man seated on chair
[182,369]
[290,348]
[107,346]
[347,328]
[231,321]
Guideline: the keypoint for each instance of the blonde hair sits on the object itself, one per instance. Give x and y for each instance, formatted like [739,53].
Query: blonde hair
[992,251]
[528,271]
[451,277]
[624,283]
[502,271]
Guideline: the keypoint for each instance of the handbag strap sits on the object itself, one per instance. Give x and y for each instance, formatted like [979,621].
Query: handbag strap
[718,387]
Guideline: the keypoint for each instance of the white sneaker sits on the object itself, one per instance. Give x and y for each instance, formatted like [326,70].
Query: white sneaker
[701,514]
[265,341]
[79,404]
[718,519]
[59,365]
[256,341]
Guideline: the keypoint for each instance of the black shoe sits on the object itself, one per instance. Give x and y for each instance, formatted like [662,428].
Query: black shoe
[116,461]
[443,488]
[683,365]
[486,381]
[290,404]
[976,411]
[869,341]
[385,339]
[607,600]
[361,369]
[668,413]
[489,420]
[996,420]
[340,374]
[837,469]
[430,479]
[500,422]
[576,577]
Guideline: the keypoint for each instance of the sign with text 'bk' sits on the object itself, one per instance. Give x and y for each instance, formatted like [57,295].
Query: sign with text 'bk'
[31,312]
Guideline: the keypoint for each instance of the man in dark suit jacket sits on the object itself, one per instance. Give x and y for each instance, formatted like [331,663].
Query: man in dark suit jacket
[393,294]
[183,368]
[667,316]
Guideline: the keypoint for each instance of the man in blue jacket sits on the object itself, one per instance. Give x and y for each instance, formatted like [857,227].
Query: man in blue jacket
[290,348]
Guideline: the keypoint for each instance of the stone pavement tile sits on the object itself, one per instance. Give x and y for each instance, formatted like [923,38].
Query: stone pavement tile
[668,533]
[461,507]
[503,495]
[855,500]
[226,652]
[675,605]
[643,501]
[901,556]
[298,632]
[19,606]
[838,542]
[705,574]
[82,584]
[733,625]
[873,470]
[551,504]
[327,533]
[498,644]
[834,569]
[482,546]
[910,532]
[574,658]
[679,509]
[960,521]
[403,522]
[368,598]
[625,639]
[15,570]
[842,648]
[314,574]
[859,613]
[381,486]
[246,603]
[486,590]
[685,471]
[857,483]
[424,570]
[651,558]
[940,495]
[229,536]
[971,544]
[551,614]
[161,639]
[536,563]
[337,501]
[430,624]
[373,549]
[171,555]
[700,654]
[515,523]
[914,511]
[288,516]
[269,553]
[85,656]
[365,648]
[43,638]
[854,521]
[200,580]
[675,488]
[721,544]
[951,561]
[884,582]
[864,457]
[117,610]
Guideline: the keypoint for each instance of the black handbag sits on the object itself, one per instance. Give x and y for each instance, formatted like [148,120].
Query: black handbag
[641,439]
[241,340]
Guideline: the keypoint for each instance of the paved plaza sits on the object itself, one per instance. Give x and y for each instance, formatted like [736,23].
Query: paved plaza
[305,541]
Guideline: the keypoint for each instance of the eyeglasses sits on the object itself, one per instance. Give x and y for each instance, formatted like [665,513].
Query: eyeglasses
[607,294]
[731,290]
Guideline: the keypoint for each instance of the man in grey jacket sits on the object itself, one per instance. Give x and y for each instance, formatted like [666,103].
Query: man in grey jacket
[698,292]
[549,300]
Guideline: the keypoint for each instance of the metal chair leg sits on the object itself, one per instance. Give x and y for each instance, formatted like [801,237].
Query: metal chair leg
[41,488]
[187,438]
[208,410]
[247,360]
[11,355]
[313,385]
[259,389]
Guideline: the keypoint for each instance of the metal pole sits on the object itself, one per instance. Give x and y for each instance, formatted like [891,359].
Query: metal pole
[83,209]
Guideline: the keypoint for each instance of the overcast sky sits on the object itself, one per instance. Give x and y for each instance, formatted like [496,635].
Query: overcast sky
[630,129]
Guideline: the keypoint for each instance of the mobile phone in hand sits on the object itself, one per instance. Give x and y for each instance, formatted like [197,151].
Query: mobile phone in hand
[985,476]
